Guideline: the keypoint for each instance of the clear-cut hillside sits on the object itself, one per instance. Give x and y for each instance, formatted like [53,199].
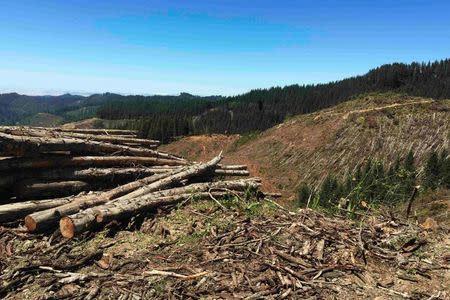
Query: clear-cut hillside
[306,148]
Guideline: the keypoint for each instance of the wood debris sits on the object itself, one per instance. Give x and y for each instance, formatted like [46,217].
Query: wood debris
[154,246]
[53,174]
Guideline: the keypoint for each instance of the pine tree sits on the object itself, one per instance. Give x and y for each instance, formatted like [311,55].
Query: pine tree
[393,180]
[349,184]
[409,175]
[328,191]
[433,171]
[304,193]
[445,168]
[379,184]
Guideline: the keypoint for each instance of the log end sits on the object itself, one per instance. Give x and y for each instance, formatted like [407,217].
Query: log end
[67,227]
[99,218]
[30,224]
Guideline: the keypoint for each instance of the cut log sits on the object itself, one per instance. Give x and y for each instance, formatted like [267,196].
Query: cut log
[99,131]
[41,220]
[17,211]
[29,189]
[12,145]
[84,161]
[169,181]
[231,172]
[232,167]
[126,207]
[52,133]
[69,227]
[111,175]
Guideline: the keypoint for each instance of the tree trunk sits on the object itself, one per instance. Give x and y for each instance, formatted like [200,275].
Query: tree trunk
[125,207]
[16,211]
[41,220]
[186,173]
[84,161]
[70,226]
[98,131]
[53,133]
[29,189]
[112,175]
[231,172]
[232,167]
[11,145]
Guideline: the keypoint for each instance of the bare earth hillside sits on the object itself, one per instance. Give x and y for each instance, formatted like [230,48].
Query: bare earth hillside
[308,147]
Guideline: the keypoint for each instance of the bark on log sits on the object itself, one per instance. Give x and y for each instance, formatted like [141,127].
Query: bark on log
[69,228]
[51,133]
[98,131]
[232,167]
[16,211]
[29,189]
[186,173]
[126,207]
[231,172]
[43,219]
[12,145]
[84,161]
[99,174]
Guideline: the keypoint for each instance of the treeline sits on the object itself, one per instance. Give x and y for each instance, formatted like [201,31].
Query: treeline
[374,184]
[260,109]
[159,117]
[133,107]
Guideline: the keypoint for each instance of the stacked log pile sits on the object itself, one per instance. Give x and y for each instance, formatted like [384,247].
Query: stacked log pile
[85,178]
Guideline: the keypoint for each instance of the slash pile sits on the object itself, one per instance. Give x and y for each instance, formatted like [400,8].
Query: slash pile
[248,250]
[86,178]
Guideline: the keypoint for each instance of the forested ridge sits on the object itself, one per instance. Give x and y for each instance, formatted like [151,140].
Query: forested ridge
[263,108]
[15,107]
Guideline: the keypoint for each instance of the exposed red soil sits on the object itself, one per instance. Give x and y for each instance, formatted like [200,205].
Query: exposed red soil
[84,124]
[201,147]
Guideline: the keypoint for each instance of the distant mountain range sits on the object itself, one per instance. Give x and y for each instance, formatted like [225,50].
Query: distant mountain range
[17,109]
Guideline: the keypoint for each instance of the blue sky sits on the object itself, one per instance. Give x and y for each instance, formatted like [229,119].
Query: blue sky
[208,47]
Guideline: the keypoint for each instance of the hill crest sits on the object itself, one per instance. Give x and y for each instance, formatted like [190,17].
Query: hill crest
[306,148]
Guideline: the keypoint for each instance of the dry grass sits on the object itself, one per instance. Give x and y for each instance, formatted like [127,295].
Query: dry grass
[308,147]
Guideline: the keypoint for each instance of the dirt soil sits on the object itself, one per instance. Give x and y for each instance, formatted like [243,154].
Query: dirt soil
[251,250]
[85,124]
[202,147]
